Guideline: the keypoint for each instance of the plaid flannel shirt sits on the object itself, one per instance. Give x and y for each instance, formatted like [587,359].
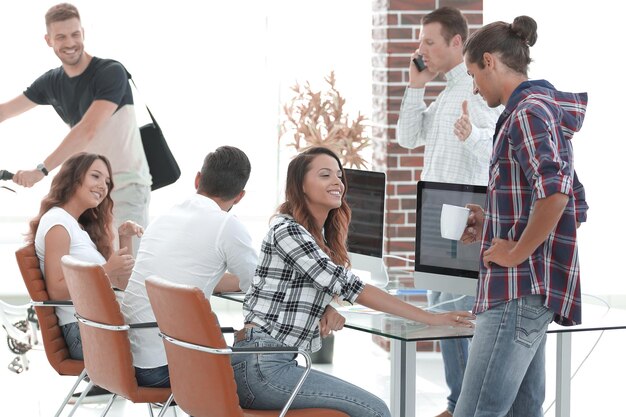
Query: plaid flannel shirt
[293,283]
[533,159]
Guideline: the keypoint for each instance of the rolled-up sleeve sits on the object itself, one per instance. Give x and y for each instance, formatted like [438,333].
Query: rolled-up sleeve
[535,146]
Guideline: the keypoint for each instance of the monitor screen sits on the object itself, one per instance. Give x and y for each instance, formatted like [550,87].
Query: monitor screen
[366,198]
[443,264]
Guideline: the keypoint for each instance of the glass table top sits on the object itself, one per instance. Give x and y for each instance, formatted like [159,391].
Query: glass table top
[595,317]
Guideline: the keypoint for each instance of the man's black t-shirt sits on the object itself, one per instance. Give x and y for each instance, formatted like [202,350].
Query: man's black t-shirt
[103,79]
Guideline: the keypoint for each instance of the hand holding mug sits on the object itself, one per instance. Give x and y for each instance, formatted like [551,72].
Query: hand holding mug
[473,231]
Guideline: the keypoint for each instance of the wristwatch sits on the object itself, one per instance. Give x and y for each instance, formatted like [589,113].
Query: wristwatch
[43,169]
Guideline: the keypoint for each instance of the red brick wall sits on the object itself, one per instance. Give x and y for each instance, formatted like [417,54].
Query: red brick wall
[396,26]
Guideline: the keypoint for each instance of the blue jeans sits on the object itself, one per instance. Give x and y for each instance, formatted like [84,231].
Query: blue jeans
[505,374]
[71,334]
[455,352]
[265,382]
[153,377]
[146,377]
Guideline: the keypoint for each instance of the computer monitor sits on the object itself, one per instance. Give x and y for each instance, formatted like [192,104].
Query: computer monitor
[443,264]
[366,197]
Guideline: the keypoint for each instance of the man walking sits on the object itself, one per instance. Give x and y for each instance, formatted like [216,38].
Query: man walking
[93,97]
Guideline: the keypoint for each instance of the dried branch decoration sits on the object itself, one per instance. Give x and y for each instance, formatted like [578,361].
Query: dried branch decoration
[316,118]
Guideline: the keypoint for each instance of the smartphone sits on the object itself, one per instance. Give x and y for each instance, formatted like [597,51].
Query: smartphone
[419,63]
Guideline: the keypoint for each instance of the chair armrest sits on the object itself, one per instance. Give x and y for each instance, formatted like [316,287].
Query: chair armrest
[153,324]
[146,325]
[236,350]
[236,296]
[52,303]
[116,327]
[112,327]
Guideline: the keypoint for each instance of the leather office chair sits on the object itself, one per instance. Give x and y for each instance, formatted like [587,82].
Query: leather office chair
[202,379]
[52,337]
[106,347]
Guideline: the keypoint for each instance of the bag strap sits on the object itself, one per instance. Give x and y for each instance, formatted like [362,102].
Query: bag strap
[130,78]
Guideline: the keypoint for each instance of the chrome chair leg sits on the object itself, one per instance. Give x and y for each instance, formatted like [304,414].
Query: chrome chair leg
[165,407]
[80,399]
[69,394]
[109,404]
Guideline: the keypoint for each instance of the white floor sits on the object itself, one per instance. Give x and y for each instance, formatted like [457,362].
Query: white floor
[597,387]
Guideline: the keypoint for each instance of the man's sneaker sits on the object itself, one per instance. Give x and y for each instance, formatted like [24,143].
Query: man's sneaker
[95,395]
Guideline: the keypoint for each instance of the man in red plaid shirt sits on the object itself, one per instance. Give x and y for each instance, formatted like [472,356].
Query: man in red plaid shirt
[529,272]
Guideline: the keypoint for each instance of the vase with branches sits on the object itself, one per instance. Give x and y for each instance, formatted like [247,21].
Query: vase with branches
[317,118]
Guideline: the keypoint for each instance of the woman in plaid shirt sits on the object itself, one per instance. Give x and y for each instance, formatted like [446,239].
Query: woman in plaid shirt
[304,265]
[529,272]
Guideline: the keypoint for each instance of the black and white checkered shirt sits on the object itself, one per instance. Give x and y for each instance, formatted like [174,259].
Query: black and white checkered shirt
[293,283]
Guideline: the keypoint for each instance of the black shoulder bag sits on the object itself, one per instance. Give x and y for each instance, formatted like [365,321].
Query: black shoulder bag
[163,167]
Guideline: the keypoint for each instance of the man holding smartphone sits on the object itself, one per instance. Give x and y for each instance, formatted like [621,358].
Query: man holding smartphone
[456,131]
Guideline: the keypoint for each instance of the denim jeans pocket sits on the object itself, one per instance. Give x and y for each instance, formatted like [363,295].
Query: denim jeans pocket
[158,377]
[246,397]
[272,362]
[71,334]
[532,320]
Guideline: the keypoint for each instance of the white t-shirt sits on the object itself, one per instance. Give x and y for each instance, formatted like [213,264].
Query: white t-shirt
[81,247]
[194,243]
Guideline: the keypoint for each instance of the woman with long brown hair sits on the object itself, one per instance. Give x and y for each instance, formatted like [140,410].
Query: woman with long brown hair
[76,218]
[304,265]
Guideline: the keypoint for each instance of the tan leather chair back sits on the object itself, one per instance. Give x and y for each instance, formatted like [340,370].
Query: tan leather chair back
[108,358]
[53,341]
[203,384]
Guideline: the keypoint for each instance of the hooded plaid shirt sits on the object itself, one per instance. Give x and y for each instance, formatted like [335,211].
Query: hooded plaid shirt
[532,159]
[293,283]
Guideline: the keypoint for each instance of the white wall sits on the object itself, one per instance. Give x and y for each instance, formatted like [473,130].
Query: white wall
[577,51]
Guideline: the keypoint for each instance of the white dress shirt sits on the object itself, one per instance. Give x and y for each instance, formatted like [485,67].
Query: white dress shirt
[194,243]
[446,157]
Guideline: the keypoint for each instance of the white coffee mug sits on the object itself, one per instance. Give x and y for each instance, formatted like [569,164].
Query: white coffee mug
[453,221]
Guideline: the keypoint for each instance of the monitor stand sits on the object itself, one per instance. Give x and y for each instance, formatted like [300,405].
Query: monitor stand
[371,269]
[445,283]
